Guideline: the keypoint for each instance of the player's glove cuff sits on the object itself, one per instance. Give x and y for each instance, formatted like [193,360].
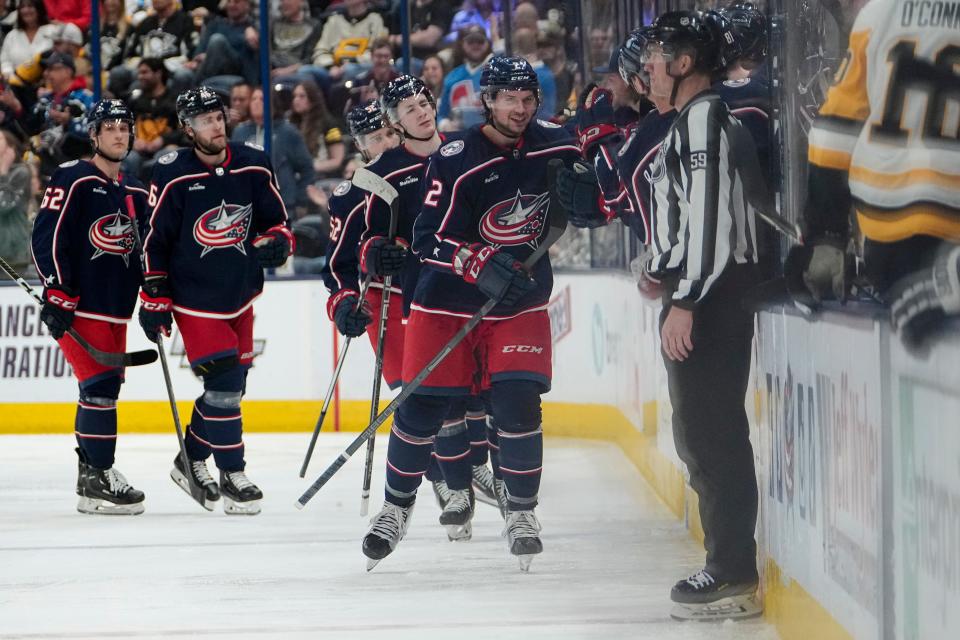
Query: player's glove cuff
[598,134]
[62,298]
[274,246]
[337,298]
[473,264]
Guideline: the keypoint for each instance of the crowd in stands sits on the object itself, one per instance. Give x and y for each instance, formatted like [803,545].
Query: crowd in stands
[325,58]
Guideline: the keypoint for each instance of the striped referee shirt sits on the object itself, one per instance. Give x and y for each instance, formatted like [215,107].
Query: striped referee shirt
[702,218]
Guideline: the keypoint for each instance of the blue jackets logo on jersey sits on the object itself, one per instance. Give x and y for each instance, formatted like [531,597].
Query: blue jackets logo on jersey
[112,234]
[518,220]
[223,226]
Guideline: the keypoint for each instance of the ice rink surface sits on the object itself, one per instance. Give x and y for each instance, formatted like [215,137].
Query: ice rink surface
[612,551]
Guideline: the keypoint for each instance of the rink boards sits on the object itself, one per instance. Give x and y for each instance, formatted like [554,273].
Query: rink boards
[856,441]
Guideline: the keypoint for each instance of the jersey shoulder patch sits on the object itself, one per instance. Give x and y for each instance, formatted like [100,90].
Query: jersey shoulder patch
[254,145]
[167,158]
[451,148]
[342,188]
[69,163]
[548,124]
[733,84]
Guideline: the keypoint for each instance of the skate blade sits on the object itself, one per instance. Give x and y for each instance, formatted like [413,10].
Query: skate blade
[732,608]
[95,506]
[525,561]
[232,508]
[459,532]
[181,481]
[371,563]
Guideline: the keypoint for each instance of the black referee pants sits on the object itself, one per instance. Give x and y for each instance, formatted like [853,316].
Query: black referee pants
[710,428]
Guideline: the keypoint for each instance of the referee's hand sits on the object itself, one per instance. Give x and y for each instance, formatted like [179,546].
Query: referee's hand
[675,337]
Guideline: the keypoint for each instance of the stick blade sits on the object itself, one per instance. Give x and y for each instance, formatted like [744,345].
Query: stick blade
[141,358]
[369,181]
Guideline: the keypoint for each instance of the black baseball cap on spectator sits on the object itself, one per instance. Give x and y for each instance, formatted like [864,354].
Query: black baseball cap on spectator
[613,66]
[58,57]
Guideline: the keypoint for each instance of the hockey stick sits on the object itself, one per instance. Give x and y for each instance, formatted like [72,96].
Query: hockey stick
[378,186]
[106,358]
[557,219]
[196,491]
[341,358]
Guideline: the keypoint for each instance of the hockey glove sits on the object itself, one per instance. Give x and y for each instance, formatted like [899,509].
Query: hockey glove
[380,257]
[274,246]
[498,275]
[342,308]
[816,272]
[59,307]
[649,286]
[156,304]
[595,119]
[922,301]
[579,193]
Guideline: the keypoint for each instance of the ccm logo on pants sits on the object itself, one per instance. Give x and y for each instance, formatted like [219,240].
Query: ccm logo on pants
[521,348]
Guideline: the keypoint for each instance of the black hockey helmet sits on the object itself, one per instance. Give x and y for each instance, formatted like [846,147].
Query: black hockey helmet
[508,73]
[196,101]
[366,118]
[402,88]
[749,28]
[679,32]
[110,110]
[631,56]
[728,45]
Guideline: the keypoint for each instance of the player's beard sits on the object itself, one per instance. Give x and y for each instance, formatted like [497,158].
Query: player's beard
[209,147]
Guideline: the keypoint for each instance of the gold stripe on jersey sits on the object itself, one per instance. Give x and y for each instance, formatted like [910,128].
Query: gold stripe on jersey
[919,219]
[903,179]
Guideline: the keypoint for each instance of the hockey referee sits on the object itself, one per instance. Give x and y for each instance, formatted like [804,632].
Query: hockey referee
[705,256]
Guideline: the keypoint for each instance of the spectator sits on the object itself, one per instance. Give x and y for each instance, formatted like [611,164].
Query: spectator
[367,85]
[433,74]
[429,21]
[27,77]
[228,45]
[525,16]
[551,49]
[32,35]
[525,45]
[15,225]
[239,104]
[486,13]
[58,116]
[155,109]
[114,27]
[346,38]
[168,34]
[459,106]
[292,163]
[293,37]
[323,139]
[601,44]
[76,12]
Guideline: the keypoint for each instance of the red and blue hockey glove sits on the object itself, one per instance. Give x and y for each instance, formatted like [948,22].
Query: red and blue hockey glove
[274,246]
[921,302]
[156,307]
[595,119]
[579,193]
[350,319]
[498,275]
[59,307]
[380,257]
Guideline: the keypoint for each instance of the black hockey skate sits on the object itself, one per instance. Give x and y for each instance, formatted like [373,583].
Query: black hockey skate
[107,492]
[442,493]
[386,531]
[457,516]
[523,535]
[483,485]
[240,496]
[200,476]
[703,597]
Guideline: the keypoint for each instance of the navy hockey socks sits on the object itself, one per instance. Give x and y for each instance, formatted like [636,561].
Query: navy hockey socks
[96,430]
[408,456]
[196,440]
[493,446]
[521,463]
[453,453]
[477,430]
[223,426]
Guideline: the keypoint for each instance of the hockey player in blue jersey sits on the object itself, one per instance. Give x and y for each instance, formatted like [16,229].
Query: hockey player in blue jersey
[85,252]
[217,221]
[484,211]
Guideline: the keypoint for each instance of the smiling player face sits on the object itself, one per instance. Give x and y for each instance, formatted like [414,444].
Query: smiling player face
[512,111]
